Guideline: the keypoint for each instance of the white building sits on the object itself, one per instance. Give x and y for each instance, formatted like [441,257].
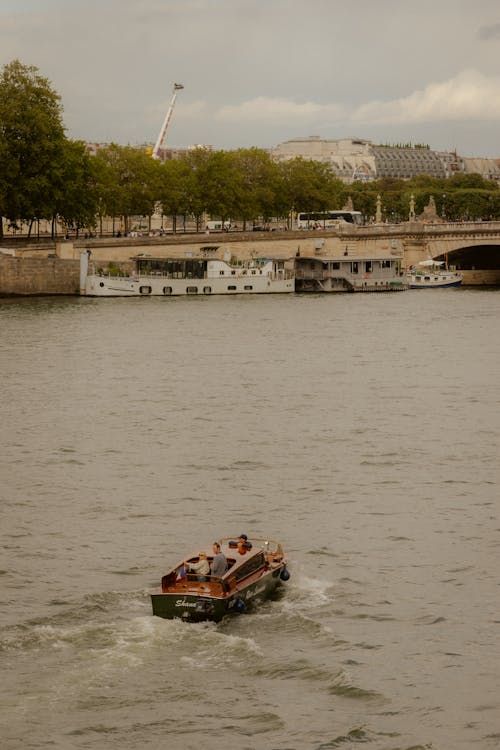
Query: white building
[354,159]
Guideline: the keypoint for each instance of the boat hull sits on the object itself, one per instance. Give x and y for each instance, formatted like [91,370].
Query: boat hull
[197,606]
[434,281]
[442,285]
[154,286]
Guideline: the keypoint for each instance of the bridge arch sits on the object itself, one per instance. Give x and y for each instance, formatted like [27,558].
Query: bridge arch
[471,257]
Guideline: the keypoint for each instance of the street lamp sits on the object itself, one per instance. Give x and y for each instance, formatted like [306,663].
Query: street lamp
[442,211]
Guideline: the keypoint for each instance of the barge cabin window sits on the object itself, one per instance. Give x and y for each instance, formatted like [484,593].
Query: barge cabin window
[173,269]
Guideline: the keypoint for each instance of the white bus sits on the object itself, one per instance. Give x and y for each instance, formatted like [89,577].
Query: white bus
[218,226]
[328,219]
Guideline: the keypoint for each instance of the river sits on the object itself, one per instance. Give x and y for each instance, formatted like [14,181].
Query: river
[360,430]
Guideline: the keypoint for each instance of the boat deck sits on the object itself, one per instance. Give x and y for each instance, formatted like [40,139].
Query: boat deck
[240,571]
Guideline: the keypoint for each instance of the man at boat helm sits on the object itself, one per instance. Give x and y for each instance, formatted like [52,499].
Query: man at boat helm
[242,544]
[202,567]
[219,563]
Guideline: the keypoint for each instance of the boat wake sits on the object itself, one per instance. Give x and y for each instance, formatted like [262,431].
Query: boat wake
[119,626]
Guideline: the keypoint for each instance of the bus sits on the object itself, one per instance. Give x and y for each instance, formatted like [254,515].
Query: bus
[328,219]
[218,225]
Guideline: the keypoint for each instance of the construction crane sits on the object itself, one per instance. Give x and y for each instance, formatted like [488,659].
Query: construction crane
[161,136]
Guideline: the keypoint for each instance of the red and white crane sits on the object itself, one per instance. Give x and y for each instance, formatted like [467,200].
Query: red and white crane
[161,135]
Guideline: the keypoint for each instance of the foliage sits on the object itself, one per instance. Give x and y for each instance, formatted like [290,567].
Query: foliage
[74,200]
[310,186]
[261,181]
[129,181]
[43,174]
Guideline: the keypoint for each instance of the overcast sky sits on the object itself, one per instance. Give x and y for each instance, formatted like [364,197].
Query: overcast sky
[259,72]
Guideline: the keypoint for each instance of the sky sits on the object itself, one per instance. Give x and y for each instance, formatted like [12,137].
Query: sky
[260,72]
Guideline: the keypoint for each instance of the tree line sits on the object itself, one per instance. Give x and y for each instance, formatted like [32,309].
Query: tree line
[46,175]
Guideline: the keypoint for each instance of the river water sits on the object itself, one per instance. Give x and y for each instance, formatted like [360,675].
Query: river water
[360,430]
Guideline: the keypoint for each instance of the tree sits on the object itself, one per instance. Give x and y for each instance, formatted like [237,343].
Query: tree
[220,184]
[311,186]
[105,188]
[364,198]
[75,200]
[463,181]
[177,189]
[31,137]
[135,177]
[261,184]
[469,204]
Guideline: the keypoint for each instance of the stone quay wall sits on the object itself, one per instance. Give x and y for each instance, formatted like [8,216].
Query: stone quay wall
[33,276]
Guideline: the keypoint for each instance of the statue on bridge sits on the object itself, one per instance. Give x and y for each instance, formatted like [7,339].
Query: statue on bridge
[411,216]
[430,214]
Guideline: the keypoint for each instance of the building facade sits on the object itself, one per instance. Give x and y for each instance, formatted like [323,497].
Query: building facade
[353,159]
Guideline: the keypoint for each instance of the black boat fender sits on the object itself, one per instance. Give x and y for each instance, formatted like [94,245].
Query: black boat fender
[285,574]
[239,605]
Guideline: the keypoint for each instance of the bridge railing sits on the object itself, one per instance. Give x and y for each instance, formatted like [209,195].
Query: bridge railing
[418,227]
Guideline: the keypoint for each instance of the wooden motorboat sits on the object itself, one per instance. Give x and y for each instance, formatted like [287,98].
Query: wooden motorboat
[254,570]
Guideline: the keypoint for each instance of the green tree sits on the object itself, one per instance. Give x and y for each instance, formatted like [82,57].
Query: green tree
[177,189]
[31,138]
[221,185]
[105,188]
[311,186]
[470,204]
[364,198]
[473,181]
[75,200]
[135,177]
[261,185]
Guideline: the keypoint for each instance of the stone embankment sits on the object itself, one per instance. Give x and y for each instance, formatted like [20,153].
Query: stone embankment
[36,276]
[54,269]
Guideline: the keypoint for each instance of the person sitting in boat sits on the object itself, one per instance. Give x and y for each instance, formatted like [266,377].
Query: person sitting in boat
[243,544]
[202,567]
[219,563]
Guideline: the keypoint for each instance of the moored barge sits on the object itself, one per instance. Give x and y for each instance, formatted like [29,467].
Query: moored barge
[204,276]
[349,274]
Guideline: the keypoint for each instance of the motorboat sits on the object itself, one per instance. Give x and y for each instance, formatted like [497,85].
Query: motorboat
[255,569]
[430,274]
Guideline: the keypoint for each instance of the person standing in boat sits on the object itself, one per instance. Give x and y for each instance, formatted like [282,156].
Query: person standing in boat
[202,567]
[219,563]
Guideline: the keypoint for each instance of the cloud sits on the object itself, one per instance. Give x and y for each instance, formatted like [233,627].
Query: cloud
[468,96]
[489,32]
[277,111]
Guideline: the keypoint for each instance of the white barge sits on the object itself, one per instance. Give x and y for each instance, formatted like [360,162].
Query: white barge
[167,277]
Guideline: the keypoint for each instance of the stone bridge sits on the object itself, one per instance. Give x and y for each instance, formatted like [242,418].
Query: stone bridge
[472,247]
